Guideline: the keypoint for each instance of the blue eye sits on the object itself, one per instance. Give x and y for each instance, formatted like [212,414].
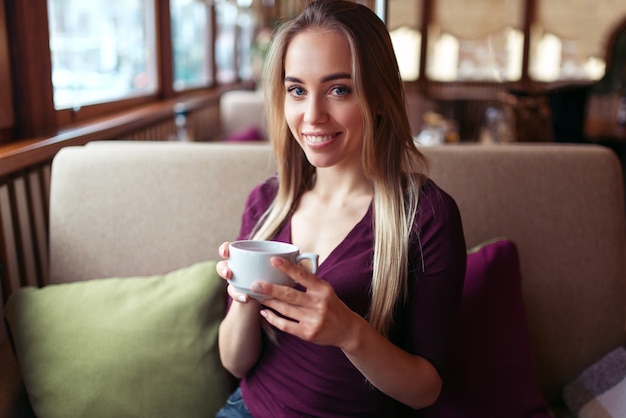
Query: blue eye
[295,90]
[341,91]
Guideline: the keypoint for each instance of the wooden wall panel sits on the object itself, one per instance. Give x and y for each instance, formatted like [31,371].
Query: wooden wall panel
[34,105]
[6,90]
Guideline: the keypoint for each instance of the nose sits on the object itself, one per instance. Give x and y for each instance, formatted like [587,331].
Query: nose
[315,111]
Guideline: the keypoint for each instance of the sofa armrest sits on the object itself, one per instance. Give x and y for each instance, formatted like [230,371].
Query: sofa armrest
[13,398]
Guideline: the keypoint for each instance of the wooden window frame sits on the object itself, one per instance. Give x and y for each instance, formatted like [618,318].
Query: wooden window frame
[6,90]
[27,98]
[29,57]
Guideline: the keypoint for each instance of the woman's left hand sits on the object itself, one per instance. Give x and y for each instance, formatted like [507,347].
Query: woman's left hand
[319,316]
[316,314]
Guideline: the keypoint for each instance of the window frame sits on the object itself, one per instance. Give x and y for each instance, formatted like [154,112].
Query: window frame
[28,97]
[6,90]
[29,56]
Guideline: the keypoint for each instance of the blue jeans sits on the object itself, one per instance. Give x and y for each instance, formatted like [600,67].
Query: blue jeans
[234,408]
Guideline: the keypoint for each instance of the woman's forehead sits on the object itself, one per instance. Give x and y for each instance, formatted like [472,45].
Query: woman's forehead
[318,51]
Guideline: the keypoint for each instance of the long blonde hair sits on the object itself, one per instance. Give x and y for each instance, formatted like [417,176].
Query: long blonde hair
[390,159]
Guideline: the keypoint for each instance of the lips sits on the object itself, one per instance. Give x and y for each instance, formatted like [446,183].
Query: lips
[319,138]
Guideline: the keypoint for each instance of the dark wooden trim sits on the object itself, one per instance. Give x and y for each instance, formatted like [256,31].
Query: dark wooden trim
[5,281]
[427,17]
[212,19]
[17,230]
[27,23]
[165,49]
[68,117]
[32,240]
[43,195]
[23,154]
[530,14]
[6,90]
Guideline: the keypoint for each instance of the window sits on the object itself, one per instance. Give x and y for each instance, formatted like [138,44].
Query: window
[569,38]
[404,23]
[106,56]
[191,44]
[102,50]
[226,38]
[237,30]
[247,28]
[478,42]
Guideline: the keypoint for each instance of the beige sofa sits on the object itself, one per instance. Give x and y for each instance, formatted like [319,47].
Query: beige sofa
[131,209]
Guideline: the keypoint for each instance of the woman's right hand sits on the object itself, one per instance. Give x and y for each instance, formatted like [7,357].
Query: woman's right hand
[240,331]
[225,273]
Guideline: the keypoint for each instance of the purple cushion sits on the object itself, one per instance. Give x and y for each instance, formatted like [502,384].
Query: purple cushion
[490,371]
[247,134]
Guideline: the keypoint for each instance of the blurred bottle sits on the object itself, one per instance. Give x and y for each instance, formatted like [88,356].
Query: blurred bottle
[437,130]
[180,119]
[497,126]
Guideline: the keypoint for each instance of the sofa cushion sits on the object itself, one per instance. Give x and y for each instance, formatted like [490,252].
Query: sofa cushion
[599,391]
[143,346]
[490,371]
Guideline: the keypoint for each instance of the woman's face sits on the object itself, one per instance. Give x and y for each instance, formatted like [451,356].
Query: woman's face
[320,105]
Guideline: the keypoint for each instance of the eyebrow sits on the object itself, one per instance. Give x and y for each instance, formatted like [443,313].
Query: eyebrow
[330,77]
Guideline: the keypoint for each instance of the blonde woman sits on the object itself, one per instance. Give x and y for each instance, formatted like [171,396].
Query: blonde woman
[367,335]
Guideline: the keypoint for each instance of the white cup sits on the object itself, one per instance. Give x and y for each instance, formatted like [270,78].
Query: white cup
[249,262]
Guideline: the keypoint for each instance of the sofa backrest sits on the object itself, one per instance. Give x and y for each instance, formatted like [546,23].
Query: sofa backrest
[241,110]
[563,205]
[133,208]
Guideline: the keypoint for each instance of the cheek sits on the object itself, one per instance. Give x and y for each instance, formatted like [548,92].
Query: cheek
[354,119]
[291,116]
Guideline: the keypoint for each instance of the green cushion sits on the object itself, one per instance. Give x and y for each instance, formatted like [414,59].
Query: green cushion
[123,347]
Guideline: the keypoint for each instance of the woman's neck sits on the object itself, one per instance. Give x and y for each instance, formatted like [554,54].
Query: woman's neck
[338,187]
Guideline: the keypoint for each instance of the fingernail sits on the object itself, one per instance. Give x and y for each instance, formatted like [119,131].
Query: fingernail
[277,261]
[242,298]
[256,288]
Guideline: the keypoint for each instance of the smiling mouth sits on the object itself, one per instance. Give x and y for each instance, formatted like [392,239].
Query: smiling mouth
[318,139]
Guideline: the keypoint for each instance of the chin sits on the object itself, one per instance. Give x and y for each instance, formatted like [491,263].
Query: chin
[318,161]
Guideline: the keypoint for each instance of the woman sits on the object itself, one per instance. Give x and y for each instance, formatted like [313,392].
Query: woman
[367,335]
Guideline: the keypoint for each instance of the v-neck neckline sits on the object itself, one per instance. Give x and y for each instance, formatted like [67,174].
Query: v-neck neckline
[335,252]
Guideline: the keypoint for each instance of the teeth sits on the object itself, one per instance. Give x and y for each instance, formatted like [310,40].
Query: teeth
[318,139]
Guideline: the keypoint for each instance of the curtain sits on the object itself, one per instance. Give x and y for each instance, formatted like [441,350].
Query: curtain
[477,18]
[403,13]
[589,23]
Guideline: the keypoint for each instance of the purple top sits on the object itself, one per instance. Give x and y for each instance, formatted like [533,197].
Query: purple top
[298,378]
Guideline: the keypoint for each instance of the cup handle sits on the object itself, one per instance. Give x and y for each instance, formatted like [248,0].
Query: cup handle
[309,256]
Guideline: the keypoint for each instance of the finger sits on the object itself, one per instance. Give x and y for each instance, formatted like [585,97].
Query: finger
[283,324]
[237,295]
[276,291]
[223,250]
[287,301]
[296,272]
[222,269]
